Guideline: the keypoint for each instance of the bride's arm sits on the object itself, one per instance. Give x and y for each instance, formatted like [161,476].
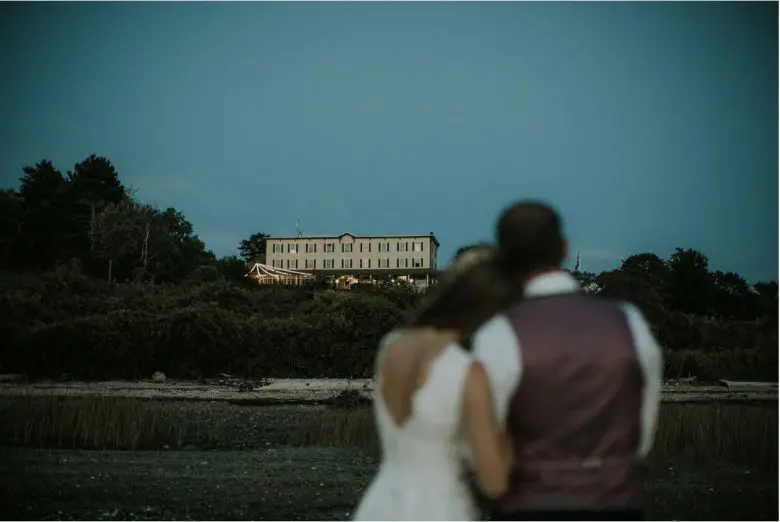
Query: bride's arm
[488,444]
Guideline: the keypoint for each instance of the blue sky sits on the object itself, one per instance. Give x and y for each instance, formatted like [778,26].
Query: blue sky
[649,125]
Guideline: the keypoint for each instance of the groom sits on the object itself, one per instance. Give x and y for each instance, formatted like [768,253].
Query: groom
[576,378]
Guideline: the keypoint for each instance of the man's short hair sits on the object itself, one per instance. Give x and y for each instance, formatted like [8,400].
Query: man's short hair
[529,237]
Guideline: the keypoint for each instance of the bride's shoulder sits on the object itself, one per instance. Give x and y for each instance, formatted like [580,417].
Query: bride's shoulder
[391,336]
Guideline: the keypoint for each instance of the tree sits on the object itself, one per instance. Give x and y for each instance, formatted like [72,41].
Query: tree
[252,250]
[733,297]
[139,240]
[122,231]
[43,230]
[96,181]
[691,287]
[647,266]
[179,250]
[10,223]
[93,184]
[766,294]
[40,184]
[626,286]
[231,268]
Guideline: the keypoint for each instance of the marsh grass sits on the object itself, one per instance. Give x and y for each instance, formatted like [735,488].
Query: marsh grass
[697,434]
[87,423]
[719,433]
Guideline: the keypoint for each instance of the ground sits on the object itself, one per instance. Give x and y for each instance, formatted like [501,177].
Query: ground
[286,391]
[262,470]
[287,484]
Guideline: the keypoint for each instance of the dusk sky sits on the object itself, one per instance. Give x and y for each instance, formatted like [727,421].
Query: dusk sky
[649,126]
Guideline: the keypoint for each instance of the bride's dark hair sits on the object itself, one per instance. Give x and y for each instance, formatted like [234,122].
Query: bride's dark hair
[468,294]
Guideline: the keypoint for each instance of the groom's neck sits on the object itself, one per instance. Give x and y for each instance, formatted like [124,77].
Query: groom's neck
[537,273]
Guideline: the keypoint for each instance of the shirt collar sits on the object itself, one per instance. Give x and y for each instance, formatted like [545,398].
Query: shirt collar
[550,283]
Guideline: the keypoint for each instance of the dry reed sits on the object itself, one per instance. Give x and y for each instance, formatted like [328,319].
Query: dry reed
[87,423]
[703,433]
[710,433]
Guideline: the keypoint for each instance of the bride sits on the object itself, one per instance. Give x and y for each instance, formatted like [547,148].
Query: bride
[434,405]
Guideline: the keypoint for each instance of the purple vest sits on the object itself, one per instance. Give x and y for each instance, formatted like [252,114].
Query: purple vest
[575,416]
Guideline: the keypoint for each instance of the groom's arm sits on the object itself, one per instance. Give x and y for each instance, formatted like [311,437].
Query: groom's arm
[496,346]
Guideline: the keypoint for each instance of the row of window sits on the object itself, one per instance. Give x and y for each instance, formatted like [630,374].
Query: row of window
[311,248]
[311,264]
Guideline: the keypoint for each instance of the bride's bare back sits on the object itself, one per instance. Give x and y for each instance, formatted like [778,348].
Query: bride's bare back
[406,368]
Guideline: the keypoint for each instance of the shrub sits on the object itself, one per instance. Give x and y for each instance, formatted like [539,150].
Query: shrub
[65,322]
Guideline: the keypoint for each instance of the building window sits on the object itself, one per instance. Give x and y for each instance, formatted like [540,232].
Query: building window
[365,247]
[276,263]
[365,263]
[417,262]
[384,263]
[311,248]
[403,246]
[417,246]
[330,247]
[311,264]
[384,247]
[346,247]
[292,263]
[292,248]
[346,263]
[276,248]
[327,263]
[402,262]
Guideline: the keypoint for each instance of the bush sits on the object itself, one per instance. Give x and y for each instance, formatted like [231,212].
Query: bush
[65,322]
[747,364]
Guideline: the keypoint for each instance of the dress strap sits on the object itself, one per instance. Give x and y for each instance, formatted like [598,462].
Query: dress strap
[388,339]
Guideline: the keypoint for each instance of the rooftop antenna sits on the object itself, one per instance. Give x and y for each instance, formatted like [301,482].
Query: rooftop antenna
[577,264]
[298,226]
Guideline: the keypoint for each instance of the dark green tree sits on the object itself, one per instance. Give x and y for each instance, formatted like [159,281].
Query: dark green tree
[96,181]
[733,297]
[691,288]
[252,249]
[766,294]
[43,232]
[646,266]
[232,269]
[41,184]
[10,224]
[625,285]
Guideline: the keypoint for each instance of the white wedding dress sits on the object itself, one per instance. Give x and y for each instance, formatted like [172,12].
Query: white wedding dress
[421,474]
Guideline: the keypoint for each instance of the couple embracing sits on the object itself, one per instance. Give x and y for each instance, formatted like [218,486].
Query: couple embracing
[553,409]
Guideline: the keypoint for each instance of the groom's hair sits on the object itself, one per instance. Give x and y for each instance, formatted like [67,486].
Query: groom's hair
[529,238]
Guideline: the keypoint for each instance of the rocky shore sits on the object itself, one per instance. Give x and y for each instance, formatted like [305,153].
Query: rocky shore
[317,391]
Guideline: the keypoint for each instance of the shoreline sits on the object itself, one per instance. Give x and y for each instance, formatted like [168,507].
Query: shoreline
[311,391]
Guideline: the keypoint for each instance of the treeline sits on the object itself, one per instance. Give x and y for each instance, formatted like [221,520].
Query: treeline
[89,215]
[712,324]
[97,285]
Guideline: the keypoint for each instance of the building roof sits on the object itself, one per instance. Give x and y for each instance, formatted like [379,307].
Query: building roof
[389,236]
